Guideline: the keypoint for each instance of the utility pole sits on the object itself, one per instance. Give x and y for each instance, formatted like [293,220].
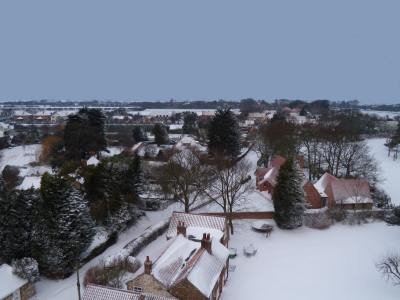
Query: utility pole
[78,284]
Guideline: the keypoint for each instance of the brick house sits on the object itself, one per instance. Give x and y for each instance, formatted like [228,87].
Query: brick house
[345,193]
[193,267]
[266,181]
[14,287]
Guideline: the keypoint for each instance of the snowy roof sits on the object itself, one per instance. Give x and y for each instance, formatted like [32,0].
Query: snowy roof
[189,141]
[92,161]
[173,263]
[323,182]
[186,259]
[9,281]
[97,292]
[194,220]
[351,191]
[207,270]
[175,126]
[196,232]
[345,191]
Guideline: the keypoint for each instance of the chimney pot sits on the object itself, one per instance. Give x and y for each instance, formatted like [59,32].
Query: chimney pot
[148,264]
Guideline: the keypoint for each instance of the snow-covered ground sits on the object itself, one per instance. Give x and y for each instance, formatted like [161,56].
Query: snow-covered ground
[20,155]
[389,168]
[309,264]
[382,114]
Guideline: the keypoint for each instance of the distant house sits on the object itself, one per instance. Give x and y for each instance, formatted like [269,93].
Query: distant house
[345,193]
[13,287]
[195,264]
[97,292]
[266,177]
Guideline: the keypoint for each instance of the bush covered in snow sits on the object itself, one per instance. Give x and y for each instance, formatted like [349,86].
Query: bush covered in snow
[381,198]
[111,271]
[317,220]
[393,216]
[26,268]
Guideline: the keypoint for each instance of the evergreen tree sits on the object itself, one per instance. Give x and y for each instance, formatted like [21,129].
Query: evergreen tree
[288,196]
[189,123]
[66,228]
[112,184]
[160,134]
[223,134]
[17,214]
[138,134]
[84,133]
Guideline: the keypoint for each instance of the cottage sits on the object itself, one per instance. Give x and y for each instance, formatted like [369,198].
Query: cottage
[195,264]
[97,292]
[346,193]
[14,287]
[266,177]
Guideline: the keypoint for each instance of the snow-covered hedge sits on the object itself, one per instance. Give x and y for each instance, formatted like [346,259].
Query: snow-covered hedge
[26,268]
[149,235]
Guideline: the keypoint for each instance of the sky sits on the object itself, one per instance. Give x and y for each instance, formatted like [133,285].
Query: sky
[200,50]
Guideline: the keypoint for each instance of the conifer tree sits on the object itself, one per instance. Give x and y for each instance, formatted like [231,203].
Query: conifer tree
[17,214]
[160,134]
[288,196]
[66,228]
[223,134]
[138,134]
[84,133]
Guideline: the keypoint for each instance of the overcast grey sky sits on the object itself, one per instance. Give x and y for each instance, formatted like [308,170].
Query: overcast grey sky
[219,49]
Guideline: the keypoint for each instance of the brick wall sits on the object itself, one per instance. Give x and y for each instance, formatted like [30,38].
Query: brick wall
[245,215]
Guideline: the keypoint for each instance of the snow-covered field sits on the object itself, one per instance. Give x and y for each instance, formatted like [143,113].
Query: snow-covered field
[382,114]
[20,155]
[389,168]
[309,264]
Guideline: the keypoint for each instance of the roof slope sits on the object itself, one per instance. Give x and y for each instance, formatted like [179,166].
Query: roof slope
[194,220]
[97,292]
[351,191]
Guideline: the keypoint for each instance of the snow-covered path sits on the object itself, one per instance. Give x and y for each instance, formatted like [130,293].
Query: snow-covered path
[308,264]
[390,169]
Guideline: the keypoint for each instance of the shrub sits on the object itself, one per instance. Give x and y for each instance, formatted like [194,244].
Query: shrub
[26,268]
[393,216]
[337,214]
[317,220]
[111,272]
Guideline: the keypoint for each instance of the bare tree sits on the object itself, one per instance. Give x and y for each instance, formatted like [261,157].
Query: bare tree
[228,185]
[389,266]
[185,177]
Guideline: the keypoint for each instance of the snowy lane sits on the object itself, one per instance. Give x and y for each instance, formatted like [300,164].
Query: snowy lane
[390,169]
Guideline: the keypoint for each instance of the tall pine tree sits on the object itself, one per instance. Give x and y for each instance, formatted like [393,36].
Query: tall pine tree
[66,228]
[84,133]
[223,134]
[17,215]
[288,196]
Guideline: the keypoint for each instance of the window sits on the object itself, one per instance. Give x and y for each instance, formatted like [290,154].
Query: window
[137,289]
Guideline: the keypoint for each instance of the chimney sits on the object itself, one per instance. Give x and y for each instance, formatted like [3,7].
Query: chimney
[148,264]
[206,242]
[203,241]
[181,228]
